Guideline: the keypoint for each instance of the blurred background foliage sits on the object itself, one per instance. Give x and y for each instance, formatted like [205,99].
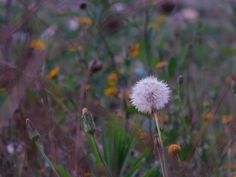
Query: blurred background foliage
[58,56]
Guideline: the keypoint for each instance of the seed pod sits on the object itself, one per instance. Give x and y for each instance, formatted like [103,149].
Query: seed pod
[111,23]
[82,5]
[95,66]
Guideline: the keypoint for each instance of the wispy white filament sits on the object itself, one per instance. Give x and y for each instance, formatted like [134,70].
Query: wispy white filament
[150,94]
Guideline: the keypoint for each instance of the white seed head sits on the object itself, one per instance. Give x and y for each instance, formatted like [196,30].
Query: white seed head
[150,94]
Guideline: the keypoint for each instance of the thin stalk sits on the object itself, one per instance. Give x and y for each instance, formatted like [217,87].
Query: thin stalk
[162,159]
[100,155]
[40,148]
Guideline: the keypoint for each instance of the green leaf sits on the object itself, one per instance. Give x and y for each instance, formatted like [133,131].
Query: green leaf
[137,164]
[62,172]
[153,172]
[172,66]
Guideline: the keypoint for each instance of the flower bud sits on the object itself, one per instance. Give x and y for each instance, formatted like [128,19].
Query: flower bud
[87,122]
[95,66]
[33,133]
[180,79]
[173,149]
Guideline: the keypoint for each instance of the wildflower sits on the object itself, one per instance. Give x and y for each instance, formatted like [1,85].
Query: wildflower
[173,149]
[37,44]
[112,78]
[110,91]
[208,116]
[53,73]
[162,65]
[2,90]
[157,24]
[133,50]
[142,135]
[85,21]
[74,47]
[225,119]
[150,94]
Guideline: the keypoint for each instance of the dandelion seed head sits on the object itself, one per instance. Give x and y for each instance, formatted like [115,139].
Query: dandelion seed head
[150,94]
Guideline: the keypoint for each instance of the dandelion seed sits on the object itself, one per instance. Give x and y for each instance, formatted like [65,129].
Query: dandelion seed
[150,94]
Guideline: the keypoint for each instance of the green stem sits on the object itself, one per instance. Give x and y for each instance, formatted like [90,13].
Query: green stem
[100,155]
[40,148]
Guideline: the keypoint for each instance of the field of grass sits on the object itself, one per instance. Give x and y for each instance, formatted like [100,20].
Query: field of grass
[68,103]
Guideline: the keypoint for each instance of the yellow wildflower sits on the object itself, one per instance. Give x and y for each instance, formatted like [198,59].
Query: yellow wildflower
[53,73]
[74,47]
[133,50]
[161,64]
[173,149]
[2,90]
[85,21]
[208,116]
[112,78]
[37,44]
[225,119]
[143,135]
[157,24]
[110,91]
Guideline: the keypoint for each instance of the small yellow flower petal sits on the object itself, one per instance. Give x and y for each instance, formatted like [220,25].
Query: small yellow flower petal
[162,65]
[110,91]
[38,44]
[85,21]
[112,78]
[133,50]
[53,73]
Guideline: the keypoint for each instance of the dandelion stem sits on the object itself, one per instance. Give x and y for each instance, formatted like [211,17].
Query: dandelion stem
[162,159]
